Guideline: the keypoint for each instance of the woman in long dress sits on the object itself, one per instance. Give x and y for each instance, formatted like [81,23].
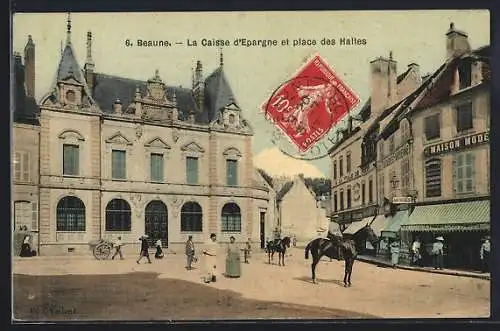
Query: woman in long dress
[26,247]
[159,251]
[233,266]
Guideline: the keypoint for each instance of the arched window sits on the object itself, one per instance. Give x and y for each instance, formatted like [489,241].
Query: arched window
[70,214]
[118,216]
[231,218]
[191,217]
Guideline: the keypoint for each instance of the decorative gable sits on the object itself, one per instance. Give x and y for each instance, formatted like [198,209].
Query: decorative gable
[158,143]
[71,135]
[118,138]
[192,147]
[232,152]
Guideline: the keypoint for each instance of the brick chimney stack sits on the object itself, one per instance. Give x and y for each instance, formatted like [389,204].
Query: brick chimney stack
[384,84]
[457,42]
[89,64]
[199,86]
[29,67]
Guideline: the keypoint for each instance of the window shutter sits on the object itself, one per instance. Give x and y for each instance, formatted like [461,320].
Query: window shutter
[454,173]
[26,167]
[17,166]
[76,159]
[473,168]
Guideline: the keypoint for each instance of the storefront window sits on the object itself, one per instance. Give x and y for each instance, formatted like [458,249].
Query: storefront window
[433,177]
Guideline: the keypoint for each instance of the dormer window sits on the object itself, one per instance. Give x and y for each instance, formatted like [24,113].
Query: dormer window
[231,118]
[464,74]
[70,96]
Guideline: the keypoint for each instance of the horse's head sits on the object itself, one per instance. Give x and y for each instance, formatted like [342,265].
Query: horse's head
[371,236]
[286,241]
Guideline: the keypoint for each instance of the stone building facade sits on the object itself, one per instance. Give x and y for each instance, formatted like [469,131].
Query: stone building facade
[123,157]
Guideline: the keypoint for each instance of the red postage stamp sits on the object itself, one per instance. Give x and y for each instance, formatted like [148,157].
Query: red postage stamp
[308,105]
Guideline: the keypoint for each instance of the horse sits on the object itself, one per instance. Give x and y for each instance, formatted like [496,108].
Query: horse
[335,246]
[279,246]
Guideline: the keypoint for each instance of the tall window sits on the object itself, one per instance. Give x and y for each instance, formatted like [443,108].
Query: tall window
[392,144]
[381,150]
[25,215]
[464,117]
[341,167]
[335,205]
[70,96]
[463,173]
[405,173]
[341,197]
[370,190]
[22,166]
[118,164]
[70,214]
[348,198]
[433,177]
[464,74]
[191,217]
[70,160]
[348,163]
[381,187]
[156,167]
[432,127]
[192,170]
[335,169]
[231,218]
[118,216]
[232,172]
[363,196]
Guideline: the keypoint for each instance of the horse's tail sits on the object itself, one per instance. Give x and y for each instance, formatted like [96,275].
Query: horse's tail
[308,248]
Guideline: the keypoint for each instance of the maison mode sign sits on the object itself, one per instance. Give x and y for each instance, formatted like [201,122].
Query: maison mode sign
[458,144]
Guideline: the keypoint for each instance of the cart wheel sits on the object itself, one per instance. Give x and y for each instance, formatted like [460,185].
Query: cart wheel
[102,251]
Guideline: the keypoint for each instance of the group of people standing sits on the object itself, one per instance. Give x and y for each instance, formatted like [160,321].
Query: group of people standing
[233,257]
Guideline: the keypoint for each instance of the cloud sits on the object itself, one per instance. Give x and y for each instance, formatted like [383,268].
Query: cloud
[274,162]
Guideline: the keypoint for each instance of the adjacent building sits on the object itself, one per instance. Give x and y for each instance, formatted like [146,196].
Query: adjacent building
[124,157]
[429,150]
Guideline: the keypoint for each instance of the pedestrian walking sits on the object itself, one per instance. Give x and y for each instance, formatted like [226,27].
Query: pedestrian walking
[485,254]
[190,253]
[118,248]
[294,241]
[233,266]
[144,249]
[247,250]
[210,259]
[437,253]
[394,248]
[416,253]
[159,250]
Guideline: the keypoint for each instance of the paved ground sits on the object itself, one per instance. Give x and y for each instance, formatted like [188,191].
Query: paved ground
[376,291]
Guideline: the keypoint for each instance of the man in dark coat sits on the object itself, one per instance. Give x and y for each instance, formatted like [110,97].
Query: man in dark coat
[144,249]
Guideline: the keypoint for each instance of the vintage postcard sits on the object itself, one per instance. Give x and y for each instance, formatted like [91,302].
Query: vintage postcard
[250,165]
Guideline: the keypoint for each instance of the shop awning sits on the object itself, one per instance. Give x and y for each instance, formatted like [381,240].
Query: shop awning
[394,225]
[355,226]
[460,216]
[379,224]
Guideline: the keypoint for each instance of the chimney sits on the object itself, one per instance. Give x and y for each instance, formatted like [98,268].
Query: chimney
[457,42]
[199,86]
[89,64]
[117,106]
[29,67]
[384,84]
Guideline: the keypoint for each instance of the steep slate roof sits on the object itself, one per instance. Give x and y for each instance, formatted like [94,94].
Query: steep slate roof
[108,88]
[218,93]
[25,107]
[68,66]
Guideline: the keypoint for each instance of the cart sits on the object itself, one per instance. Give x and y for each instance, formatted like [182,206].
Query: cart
[101,248]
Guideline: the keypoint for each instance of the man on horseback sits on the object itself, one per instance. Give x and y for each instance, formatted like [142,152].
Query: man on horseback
[335,237]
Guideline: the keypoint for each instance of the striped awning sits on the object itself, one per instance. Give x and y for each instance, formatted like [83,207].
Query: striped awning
[379,224]
[354,227]
[394,225]
[460,216]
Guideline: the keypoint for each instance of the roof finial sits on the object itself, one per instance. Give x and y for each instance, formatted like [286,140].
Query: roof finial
[68,31]
[390,55]
[452,26]
[61,47]
[192,77]
[221,57]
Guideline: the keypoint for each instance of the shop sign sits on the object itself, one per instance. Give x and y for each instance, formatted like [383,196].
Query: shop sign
[399,200]
[458,144]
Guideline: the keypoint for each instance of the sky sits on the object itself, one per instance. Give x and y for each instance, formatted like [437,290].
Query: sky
[253,72]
